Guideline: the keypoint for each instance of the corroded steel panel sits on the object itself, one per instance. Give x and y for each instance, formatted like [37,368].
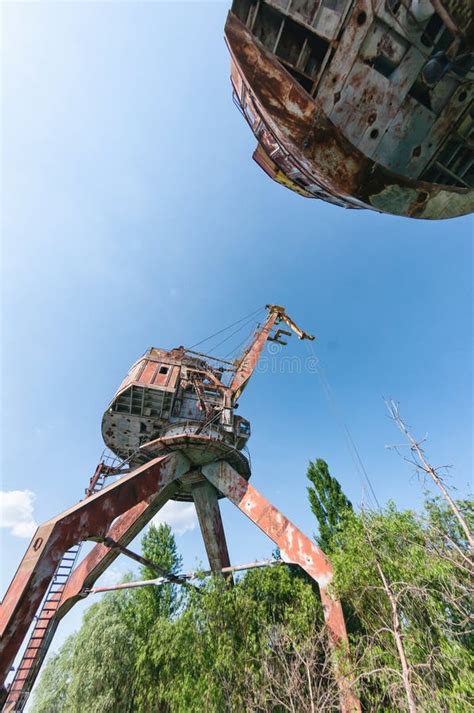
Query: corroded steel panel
[363,130]
[88,519]
[183,400]
[210,522]
[123,530]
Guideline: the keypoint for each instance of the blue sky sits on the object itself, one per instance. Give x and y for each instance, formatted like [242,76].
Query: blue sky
[132,215]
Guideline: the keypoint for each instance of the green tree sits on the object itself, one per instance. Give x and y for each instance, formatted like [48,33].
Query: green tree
[210,657]
[51,692]
[260,645]
[103,662]
[409,589]
[101,668]
[153,608]
[328,503]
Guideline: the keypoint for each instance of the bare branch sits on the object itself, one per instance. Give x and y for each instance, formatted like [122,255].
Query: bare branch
[421,463]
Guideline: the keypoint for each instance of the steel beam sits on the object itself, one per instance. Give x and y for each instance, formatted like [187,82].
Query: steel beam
[90,518]
[123,531]
[294,548]
[210,521]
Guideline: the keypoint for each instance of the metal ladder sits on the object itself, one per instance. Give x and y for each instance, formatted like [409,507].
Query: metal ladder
[46,623]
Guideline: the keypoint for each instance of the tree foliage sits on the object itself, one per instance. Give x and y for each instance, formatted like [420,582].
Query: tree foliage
[407,584]
[328,503]
[51,693]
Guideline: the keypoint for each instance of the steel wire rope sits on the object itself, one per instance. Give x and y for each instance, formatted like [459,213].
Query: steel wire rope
[247,319]
[240,344]
[206,339]
[350,442]
[236,331]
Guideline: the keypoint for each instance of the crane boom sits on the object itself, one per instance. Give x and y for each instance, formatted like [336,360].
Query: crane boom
[247,363]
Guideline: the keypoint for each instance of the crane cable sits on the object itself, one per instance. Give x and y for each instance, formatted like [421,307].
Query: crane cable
[243,345]
[236,331]
[350,443]
[206,339]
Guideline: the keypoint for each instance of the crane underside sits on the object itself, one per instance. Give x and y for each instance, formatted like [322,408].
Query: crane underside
[361,104]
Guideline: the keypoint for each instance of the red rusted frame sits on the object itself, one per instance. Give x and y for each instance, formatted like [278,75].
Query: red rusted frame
[251,357]
[210,522]
[123,531]
[135,498]
[294,547]
[120,511]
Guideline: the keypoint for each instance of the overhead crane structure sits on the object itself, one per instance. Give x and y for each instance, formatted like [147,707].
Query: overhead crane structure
[173,428]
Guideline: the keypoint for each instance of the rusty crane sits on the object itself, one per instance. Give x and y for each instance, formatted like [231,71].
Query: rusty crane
[172,424]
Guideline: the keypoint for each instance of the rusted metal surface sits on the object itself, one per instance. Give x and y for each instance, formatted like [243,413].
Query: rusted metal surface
[210,522]
[123,530]
[179,463]
[181,400]
[88,519]
[356,126]
[200,449]
[249,361]
[46,621]
[294,548]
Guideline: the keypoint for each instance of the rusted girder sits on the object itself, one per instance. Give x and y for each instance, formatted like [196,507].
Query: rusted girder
[210,522]
[251,356]
[147,488]
[117,514]
[164,573]
[295,548]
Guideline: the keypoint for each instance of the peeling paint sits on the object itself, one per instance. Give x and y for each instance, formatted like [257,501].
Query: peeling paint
[356,132]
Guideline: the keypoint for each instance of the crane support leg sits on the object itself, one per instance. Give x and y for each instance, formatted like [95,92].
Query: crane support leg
[210,522]
[295,548]
[88,519]
[122,531]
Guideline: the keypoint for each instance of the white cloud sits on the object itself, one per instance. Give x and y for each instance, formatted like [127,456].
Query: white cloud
[112,575]
[16,512]
[181,517]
